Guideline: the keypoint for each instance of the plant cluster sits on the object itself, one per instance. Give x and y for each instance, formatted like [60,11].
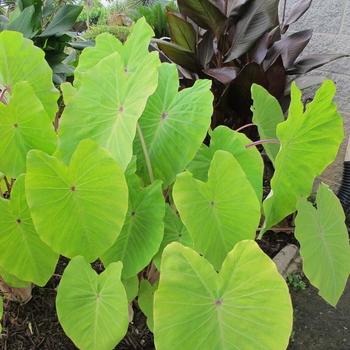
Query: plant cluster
[120,32]
[237,44]
[49,27]
[126,178]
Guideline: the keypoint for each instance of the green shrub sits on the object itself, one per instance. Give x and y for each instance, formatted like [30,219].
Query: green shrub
[119,32]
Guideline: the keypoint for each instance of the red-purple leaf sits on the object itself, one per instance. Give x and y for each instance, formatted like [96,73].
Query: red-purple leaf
[259,51]
[260,17]
[311,62]
[182,33]
[236,7]
[224,75]
[296,12]
[289,48]
[204,13]
[206,48]
[179,55]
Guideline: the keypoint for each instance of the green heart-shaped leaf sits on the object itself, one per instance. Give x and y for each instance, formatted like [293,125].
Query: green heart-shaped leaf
[237,308]
[142,232]
[24,125]
[145,301]
[12,280]
[92,309]
[21,61]
[174,231]
[225,139]
[172,121]
[221,212]
[324,243]
[85,202]
[1,312]
[309,143]
[107,109]
[134,52]
[23,254]
[267,114]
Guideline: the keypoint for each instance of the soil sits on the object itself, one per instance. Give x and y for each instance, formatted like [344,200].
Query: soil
[317,325]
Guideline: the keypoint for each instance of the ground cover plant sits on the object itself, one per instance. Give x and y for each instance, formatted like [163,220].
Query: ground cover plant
[124,178]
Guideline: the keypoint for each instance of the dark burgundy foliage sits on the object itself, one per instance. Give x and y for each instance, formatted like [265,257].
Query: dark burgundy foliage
[236,43]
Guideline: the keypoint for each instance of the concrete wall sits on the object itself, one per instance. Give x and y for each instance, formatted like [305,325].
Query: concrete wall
[330,20]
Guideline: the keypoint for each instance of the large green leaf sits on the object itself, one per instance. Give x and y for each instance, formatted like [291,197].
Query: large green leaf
[309,143]
[107,109]
[92,309]
[135,54]
[142,232]
[223,138]
[174,231]
[20,61]
[172,121]
[220,212]
[24,125]
[267,114]
[63,20]
[1,312]
[12,280]
[324,243]
[244,306]
[145,300]
[79,209]
[23,254]
[24,23]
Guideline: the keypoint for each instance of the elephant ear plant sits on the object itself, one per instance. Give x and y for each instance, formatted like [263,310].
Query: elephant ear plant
[238,43]
[126,178]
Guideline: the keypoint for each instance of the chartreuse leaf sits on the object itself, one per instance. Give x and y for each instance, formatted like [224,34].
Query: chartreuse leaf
[142,232]
[131,286]
[173,121]
[174,231]
[23,254]
[146,300]
[237,308]
[85,201]
[309,143]
[223,138]
[20,61]
[24,125]
[1,312]
[267,114]
[134,53]
[11,280]
[220,212]
[107,109]
[324,243]
[92,309]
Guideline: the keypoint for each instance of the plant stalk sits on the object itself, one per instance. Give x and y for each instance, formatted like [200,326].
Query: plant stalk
[145,153]
[261,142]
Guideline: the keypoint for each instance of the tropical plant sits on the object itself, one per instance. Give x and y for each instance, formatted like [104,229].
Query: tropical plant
[120,32]
[128,180]
[155,14]
[49,27]
[236,44]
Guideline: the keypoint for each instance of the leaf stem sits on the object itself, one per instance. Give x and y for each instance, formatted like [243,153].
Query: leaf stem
[145,153]
[261,142]
[245,127]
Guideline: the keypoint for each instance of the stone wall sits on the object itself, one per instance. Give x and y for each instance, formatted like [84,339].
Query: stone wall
[330,21]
